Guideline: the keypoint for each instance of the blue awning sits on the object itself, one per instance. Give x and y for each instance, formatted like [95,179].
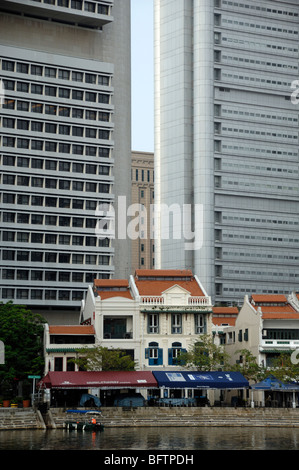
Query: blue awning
[197,379]
[272,383]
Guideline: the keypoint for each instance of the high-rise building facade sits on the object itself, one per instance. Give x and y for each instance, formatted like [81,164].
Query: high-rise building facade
[143,246]
[64,148]
[226,130]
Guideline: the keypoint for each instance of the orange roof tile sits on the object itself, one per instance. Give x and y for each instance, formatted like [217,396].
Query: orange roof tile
[281,316]
[221,320]
[111,283]
[71,330]
[156,286]
[114,293]
[153,287]
[226,310]
[264,298]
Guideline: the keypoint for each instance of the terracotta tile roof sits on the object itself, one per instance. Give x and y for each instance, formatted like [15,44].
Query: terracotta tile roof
[262,298]
[226,310]
[102,286]
[158,287]
[224,320]
[149,282]
[281,316]
[71,330]
[110,294]
[111,283]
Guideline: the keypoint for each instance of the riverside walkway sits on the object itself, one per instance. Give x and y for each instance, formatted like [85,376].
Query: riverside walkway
[160,417]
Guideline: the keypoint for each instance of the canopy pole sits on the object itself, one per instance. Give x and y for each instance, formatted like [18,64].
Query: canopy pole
[252,402]
[294,399]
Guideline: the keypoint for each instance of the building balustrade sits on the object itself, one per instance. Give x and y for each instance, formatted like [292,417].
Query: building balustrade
[160,300]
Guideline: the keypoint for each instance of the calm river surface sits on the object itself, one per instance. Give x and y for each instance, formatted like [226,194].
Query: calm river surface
[164,439]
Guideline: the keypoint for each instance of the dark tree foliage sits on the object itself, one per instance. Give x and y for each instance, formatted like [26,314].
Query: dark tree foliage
[22,334]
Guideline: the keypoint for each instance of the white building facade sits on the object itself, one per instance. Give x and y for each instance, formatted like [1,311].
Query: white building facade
[226,132]
[153,316]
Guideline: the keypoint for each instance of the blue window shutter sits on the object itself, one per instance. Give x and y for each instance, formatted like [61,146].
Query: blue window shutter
[160,357]
[170,357]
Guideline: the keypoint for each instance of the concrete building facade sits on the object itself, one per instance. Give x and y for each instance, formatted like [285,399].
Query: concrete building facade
[65,147]
[143,247]
[226,132]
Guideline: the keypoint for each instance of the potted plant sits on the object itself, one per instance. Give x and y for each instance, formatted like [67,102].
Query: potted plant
[6,402]
[26,402]
[14,403]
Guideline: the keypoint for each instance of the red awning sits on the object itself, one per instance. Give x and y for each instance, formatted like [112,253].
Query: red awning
[102,379]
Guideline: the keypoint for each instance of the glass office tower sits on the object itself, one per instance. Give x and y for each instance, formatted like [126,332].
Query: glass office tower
[226,134]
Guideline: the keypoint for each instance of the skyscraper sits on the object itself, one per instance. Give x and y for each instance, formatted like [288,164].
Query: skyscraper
[65,146]
[226,133]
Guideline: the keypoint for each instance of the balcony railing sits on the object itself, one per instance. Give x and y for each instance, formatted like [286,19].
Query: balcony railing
[279,343]
[159,300]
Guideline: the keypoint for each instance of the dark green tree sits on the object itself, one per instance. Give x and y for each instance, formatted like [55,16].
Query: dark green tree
[101,358]
[204,355]
[22,334]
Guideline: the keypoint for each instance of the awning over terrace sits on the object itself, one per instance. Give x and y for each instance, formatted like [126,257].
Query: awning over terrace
[272,383]
[103,380]
[202,380]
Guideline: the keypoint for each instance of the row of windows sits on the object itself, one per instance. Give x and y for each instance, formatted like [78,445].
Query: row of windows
[55,73]
[91,6]
[260,256]
[55,165]
[143,175]
[51,109]
[54,239]
[176,323]
[256,151]
[251,79]
[54,110]
[261,46]
[39,294]
[51,183]
[257,8]
[49,201]
[256,238]
[268,169]
[254,63]
[53,257]
[52,146]
[255,114]
[254,274]
[53,128]
[53,276]
[256,132]
[41,219]
[249,185]
[258,27]
[257,220]
[55,92]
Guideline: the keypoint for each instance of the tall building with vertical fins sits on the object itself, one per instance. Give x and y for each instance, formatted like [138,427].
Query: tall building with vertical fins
[65,147]
[226,140]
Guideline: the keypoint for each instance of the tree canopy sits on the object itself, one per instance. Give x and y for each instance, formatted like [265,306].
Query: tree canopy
[21,331]
[101,358]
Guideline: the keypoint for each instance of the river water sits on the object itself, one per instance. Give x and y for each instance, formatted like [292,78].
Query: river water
[164,439]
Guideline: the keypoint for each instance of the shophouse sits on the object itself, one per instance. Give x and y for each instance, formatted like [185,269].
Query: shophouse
[267,325]
[154,316]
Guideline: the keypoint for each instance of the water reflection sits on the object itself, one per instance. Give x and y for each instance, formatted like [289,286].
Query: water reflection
[205,438]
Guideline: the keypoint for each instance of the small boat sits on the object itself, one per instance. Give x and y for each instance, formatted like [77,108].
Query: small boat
[91,425]
[83,426]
